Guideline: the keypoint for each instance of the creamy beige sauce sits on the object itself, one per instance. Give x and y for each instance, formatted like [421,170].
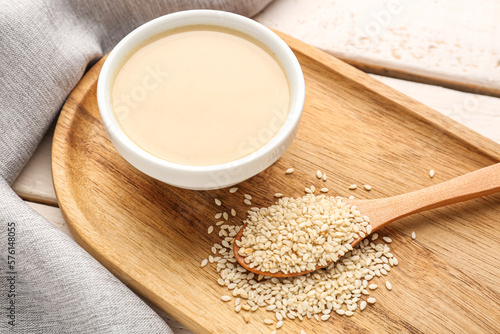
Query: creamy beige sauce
[201,96]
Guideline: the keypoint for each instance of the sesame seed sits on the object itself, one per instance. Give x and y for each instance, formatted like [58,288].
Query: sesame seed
[353,186]
[247,196]
[374,236]
[233,190]
[210,229]
[324,177]
[387,239]
[351,197]
[204,263]
[388,285]
[278,195]
[302,331]
[319,175]
[247,318]
[367,187]
[413,235]
[325,317]
[431,173]
[225,298]
[324,190]
[233,212]
[369,229]
[289,171]
[372,286]
[371,300]
[362,306]
[225,216]
[268,321]
[279,324]
[218,202]
[247,202]
[218,215]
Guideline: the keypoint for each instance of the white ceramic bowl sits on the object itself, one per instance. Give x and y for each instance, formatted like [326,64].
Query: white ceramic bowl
[202,177]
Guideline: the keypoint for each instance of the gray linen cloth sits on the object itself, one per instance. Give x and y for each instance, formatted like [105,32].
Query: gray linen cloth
[49,284]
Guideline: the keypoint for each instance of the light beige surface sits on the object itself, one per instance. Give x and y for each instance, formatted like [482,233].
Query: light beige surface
[201,96]
[437,41]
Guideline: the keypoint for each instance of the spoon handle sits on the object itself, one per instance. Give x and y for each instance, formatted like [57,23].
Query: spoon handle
[479,183]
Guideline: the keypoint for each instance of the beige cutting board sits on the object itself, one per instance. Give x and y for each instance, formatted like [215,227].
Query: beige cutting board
[153,236]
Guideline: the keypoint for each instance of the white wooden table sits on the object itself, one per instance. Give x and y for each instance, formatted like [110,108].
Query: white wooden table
[454,43]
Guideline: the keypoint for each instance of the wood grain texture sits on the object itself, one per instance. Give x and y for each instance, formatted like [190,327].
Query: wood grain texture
[357,130]
[383,211]
[440,42]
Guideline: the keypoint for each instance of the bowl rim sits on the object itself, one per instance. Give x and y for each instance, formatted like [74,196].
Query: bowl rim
[224,19]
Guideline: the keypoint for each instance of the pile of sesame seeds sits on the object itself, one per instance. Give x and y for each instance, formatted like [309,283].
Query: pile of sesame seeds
[340,289]
[298,234]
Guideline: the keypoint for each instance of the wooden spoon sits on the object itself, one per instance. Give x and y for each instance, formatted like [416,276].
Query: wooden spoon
[383,211]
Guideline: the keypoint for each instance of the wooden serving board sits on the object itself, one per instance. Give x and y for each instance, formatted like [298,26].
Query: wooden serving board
[153,236]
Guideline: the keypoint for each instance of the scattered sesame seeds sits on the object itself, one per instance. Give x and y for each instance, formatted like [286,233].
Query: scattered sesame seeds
[367,187]
[233,212]
[387,239]
[431,173]
[289,171]
[210,229]
[413,235]
[388,285]
[204,263]
[338,288]
[233,190]
[278,195]
[218,202]
[247,202]
[353,186]
[324,190]
[319,175]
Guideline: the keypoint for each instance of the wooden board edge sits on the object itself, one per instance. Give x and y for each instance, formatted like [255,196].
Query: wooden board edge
[420,78]
[454,129]
[186,319]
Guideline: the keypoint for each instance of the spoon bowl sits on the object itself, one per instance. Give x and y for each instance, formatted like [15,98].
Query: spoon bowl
[383,211]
